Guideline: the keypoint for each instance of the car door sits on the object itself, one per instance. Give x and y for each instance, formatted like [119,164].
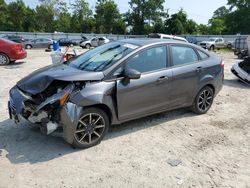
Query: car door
[151,92]
[219,43]
[94,42]
[186,74]
[40,43]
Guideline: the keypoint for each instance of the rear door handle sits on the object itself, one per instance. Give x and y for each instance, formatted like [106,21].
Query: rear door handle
[162,78]
[199,69]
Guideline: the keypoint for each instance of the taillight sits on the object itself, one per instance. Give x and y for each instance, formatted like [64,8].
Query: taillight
[222,64]
[18,47]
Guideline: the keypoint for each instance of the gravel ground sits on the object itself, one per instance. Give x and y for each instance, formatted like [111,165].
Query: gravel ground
[174,149]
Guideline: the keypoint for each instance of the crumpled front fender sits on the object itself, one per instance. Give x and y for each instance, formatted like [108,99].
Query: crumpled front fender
[70,114]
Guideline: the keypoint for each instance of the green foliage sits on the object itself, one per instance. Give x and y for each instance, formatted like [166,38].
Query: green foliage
[217,26]
[143,14]
[143,17]
[108,18]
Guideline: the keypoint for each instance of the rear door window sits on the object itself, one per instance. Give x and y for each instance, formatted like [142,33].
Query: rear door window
[183,55]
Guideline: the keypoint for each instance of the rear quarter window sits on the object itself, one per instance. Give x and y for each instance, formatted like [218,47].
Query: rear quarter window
[202,55]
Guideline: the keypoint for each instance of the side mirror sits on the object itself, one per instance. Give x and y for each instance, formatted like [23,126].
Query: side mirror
[132,74]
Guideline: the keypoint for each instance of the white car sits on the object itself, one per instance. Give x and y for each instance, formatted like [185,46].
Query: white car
[164,36]
[94,42]
[242,70]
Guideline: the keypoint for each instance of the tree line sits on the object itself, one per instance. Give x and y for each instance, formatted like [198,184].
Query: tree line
[143,17]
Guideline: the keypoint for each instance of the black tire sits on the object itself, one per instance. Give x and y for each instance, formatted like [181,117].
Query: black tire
[229,46]
[28,46]
[50,46]
[212,48]
[4,59]
[203,101]
[88,134]
[240,56]
[88,46]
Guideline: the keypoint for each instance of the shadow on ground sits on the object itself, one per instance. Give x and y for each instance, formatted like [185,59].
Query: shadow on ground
[236,83]
[25,144]
[14,65]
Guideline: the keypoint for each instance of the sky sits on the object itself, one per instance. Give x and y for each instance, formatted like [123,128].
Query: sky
[198,10]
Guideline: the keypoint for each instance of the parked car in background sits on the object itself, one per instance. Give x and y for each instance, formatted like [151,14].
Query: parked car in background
[14,38]
[216,43]
[242,46]
[66,42]
[94,42]
[114,83]
[192,40]
[11,51]
[164,36]
[242,70]
[39,43]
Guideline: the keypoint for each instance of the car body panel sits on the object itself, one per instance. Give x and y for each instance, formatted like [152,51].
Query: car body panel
[39,43]
[143,95]
[42,78]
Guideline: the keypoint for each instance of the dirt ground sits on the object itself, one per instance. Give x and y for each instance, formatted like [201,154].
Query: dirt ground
[174,149]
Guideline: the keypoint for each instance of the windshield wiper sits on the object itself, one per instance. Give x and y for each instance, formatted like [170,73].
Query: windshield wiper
[109,49]
[110,61]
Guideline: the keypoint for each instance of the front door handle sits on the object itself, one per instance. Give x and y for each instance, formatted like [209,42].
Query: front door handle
[162,78]
[199,69]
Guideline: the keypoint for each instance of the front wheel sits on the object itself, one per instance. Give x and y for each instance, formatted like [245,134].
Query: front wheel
[91,128]
[203,100]
[212,48]
[88,46]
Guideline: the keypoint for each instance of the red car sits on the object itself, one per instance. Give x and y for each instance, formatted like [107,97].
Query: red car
[11,51]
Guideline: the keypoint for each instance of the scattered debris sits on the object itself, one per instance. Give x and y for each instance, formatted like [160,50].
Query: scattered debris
[174,162]
[180,181]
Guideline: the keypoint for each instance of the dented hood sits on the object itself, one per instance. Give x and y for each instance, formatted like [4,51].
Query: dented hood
[39,80]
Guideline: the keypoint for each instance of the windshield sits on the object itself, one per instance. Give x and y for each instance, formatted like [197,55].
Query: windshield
[211,39]
[102,57]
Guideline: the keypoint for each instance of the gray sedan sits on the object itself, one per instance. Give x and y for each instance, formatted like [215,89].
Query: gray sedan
[114,83]
[39,43]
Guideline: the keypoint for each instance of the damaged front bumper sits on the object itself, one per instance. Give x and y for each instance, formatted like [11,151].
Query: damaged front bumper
[49,114]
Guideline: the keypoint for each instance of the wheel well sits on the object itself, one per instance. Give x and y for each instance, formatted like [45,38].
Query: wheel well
[105,108]
[211,86]
[4,54]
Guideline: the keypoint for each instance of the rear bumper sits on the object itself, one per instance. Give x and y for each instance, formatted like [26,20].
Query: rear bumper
[18,55]
[241,74]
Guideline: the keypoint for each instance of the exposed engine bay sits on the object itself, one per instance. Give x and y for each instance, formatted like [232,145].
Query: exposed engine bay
[43,108]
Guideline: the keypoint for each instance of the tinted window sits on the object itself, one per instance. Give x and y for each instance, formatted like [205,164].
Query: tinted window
[202,55]
[183,55]
[149,60]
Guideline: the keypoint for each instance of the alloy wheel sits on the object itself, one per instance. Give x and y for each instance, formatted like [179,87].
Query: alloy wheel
[205,100]
[90,128]
[3,59]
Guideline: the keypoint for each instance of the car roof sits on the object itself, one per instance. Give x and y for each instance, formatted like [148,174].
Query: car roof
[148,41]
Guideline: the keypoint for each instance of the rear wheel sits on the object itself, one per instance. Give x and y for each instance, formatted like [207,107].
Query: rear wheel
[50,46]
[203,100]
[91,128]
[4,59]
